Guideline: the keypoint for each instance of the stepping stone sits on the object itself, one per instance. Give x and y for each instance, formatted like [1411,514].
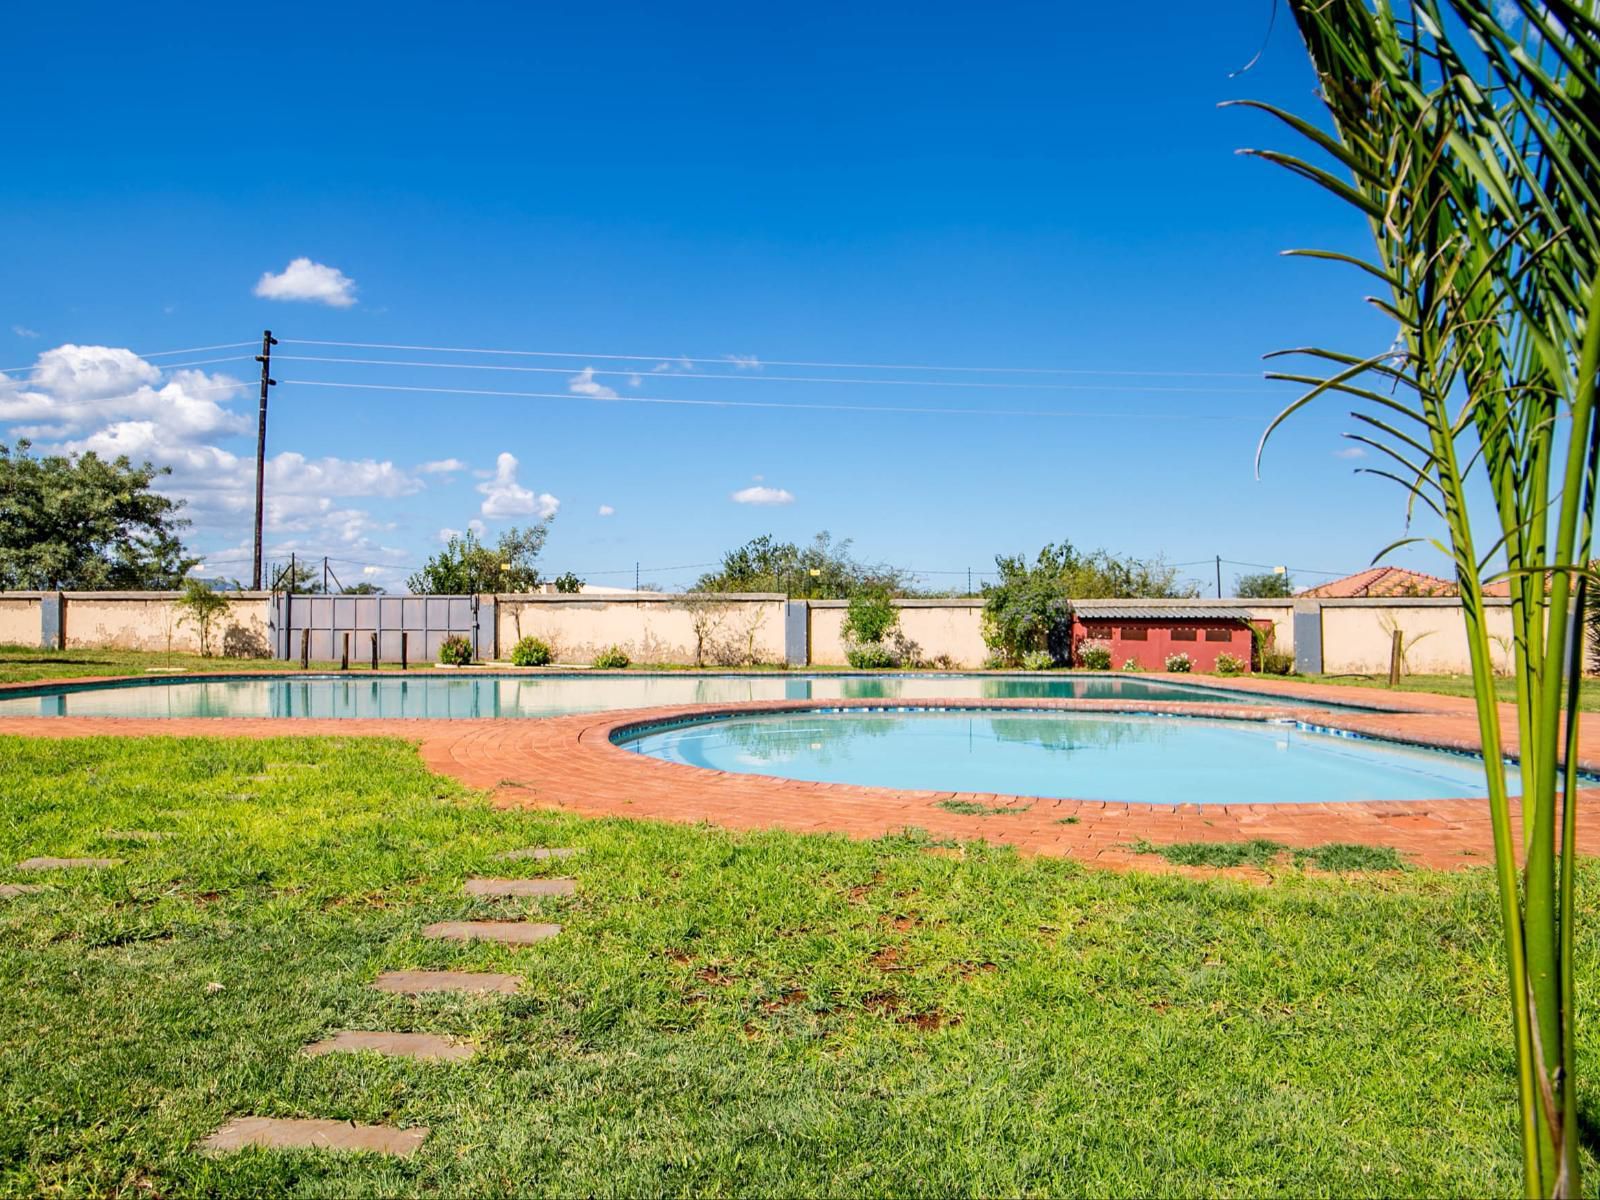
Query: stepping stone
[51,864]
[540,852]
[134,835]
[395,1045]
[415,983]
[276,1133]
[521,887]
[7,890]
[517,933]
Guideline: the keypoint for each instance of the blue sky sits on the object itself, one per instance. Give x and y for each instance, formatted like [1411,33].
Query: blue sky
[1035,186]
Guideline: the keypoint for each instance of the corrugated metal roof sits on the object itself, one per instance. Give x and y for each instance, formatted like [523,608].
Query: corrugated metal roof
[1140,612]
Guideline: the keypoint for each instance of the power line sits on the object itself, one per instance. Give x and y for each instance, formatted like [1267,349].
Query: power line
[773,362]
[154,354]
[749,378]
[762,404]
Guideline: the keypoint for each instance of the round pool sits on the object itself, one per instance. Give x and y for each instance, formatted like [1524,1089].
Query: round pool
[1066,755]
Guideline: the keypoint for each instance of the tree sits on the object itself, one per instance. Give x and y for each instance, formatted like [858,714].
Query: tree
[466,566]
[85,523]
[1029,608]
[297,576]
[363,589]
[1473,166]
[823,570]
[569,584]
[201,606]
[1267,585]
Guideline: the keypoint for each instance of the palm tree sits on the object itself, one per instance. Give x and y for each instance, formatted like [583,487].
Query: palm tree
[1466,134]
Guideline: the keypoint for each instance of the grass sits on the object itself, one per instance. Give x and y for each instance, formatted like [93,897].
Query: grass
[1444,685]
[23,664]
[1262,852]
[973,808]
[753,1013]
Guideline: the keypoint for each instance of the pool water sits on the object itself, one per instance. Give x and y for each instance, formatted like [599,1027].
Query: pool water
[1086,756]
[450,694]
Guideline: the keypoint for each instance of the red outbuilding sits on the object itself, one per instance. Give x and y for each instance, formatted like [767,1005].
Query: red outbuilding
[1147,634]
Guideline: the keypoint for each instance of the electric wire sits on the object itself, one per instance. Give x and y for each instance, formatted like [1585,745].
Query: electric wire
[773,362]
[799,406]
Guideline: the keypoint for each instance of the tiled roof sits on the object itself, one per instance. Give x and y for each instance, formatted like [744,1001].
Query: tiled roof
[1383,581]
[1142,612]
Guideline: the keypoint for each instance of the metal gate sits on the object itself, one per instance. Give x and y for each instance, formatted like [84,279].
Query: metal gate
[426,620]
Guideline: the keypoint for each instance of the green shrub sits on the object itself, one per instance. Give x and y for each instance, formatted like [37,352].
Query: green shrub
[870,618]
[1094,656]
[869,656]
[612,658]
[530,652]
[1227,664]
[1038,660]
[1131,664]
[1180,663]
[455,651]
[995,662]
[1277,662]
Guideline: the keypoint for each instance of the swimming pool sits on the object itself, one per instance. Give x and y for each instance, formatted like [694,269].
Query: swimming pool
[1066,755]
[460,695]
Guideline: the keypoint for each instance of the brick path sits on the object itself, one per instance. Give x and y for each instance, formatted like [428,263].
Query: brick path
[569,763]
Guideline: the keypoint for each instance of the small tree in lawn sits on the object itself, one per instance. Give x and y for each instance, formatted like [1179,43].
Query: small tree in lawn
[202,607]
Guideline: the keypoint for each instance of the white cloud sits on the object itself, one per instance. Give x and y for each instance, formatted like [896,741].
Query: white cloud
[446,534]
[477,526]
[1350,452]
[744,362]
[635,381]
[583,384]
[442,466]
[607,511]
[758,494]
[111,401]
[22,331]
[505,497]
[303,279]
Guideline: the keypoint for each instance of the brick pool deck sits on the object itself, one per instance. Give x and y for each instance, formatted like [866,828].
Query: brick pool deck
[570,763]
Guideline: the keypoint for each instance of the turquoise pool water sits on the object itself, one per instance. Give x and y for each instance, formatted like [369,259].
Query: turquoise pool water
[1085,756]
[444,695]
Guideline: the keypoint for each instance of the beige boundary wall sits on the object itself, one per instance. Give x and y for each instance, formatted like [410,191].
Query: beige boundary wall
[1357,635]
[734,630]
[731,630]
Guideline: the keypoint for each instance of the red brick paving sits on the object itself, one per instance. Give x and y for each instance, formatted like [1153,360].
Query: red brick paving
[569,763]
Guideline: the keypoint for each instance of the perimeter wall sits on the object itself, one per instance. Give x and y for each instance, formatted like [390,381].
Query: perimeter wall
[1334,636]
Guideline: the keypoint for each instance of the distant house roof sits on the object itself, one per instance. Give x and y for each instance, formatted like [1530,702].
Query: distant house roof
[1383,581]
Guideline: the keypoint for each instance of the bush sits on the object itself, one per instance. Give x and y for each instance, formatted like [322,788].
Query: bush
[1094,656]
[455,651]
[995,662]
[530,652]
[1038,660]
[612,658]
[1277,662]
[869,656]
[1227,664]
[1180,663]
[1131,664]
[870,618]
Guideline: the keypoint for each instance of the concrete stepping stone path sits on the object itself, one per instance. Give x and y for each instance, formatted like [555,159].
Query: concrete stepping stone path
[7,890]
[416,983]
[394,1045]
[521,887]
[540,853]
[278,1133]
[52,864]
[515,933]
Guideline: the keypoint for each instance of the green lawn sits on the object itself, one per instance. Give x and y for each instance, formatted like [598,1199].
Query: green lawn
[723,1013]
[1452,685]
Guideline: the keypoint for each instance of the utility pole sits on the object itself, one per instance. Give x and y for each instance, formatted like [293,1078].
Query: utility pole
[636,576]
[1219,577]
[265,359]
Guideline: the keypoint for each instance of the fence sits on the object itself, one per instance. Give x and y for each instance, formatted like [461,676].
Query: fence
[1336,636]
